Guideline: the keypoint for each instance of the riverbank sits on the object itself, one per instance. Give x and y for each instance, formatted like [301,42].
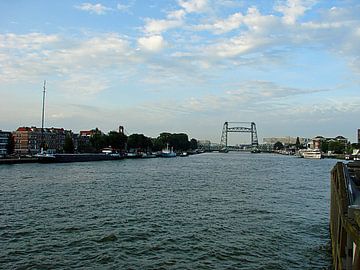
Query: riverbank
[18,160]
[69,158]
[21,160]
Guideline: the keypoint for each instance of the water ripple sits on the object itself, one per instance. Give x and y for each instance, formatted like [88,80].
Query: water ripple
[211,211]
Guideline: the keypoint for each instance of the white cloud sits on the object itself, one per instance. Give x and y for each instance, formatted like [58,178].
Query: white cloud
[223,26]
[176,14]
[236,46]
[47,55]
[193,5]
[261,24]
[174,18]
[98,9]
[151,43]
[154,26]
[32,41]
[82,84]
[260,31]
[123,7]
[293,9]
[251,95]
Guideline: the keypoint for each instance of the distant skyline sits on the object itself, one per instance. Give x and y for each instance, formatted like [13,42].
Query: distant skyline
[292,67]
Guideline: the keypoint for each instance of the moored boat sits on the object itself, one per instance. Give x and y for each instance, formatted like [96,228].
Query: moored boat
[65,158]
[133,155]
[311,153]
[167,152]
[148,155]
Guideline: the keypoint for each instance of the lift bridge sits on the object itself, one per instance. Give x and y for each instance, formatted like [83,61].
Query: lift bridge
[243,127]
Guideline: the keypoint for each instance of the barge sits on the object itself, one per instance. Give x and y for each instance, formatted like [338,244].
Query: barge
[65,158]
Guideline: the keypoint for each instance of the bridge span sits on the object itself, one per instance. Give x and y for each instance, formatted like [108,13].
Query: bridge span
[240,127]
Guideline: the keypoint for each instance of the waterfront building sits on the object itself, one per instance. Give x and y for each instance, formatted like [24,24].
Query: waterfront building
[316,142]
[284,140]
[5,137]
[84,136]
[28,140]
[86,133]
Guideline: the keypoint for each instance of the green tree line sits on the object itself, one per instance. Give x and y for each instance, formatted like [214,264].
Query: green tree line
[119,141]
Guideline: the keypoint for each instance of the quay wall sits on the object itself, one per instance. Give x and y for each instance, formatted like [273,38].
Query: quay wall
[345,216]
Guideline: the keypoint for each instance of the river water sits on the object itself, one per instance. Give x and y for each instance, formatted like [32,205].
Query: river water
[208,211]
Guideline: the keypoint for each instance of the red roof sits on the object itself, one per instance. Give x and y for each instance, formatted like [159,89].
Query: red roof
[86,132]
[23,129]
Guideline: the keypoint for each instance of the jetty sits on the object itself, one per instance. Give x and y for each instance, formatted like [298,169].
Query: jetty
[345,215]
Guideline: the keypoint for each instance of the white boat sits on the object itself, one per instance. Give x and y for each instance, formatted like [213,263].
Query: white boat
[133,155]
[311,153]
[148,155]
[356,154]
[167,152]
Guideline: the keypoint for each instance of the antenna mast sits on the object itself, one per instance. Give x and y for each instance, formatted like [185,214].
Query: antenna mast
[42,118]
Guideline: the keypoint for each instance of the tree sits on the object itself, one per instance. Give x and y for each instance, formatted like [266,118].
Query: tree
[161,141]
[278,146]
[69,145]
[85,147]
[116,140]
[193,144]
[98,140]
[324,146]
[139,141]
[337,147]
[179,141]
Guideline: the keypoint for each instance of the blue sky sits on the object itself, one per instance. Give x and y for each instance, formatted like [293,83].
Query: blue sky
[292,67]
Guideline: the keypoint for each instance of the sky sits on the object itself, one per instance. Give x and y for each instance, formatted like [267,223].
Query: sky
[290,66]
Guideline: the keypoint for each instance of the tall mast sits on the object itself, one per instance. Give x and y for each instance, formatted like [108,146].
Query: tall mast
[42,118]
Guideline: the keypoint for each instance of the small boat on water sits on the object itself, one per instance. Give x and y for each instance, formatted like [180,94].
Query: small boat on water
[184,154]
[133,155]
[224,150]
[311,153]
[148,155]
[167,152]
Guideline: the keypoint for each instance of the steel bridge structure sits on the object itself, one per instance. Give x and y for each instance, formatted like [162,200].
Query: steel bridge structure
[242,127]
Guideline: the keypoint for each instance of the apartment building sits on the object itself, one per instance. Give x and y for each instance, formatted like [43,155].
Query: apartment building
[28,140]
[5,137]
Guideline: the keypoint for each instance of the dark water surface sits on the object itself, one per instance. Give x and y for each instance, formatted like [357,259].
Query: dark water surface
[209,211]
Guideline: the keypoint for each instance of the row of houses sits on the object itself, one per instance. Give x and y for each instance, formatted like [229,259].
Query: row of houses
[305,142]
[30,140]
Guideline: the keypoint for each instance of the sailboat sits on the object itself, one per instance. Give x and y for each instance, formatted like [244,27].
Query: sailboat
[49,157]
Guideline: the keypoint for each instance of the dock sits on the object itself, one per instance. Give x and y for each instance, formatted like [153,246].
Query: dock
[345,215]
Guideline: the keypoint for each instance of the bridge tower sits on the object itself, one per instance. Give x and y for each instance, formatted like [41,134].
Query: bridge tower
[235,127]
